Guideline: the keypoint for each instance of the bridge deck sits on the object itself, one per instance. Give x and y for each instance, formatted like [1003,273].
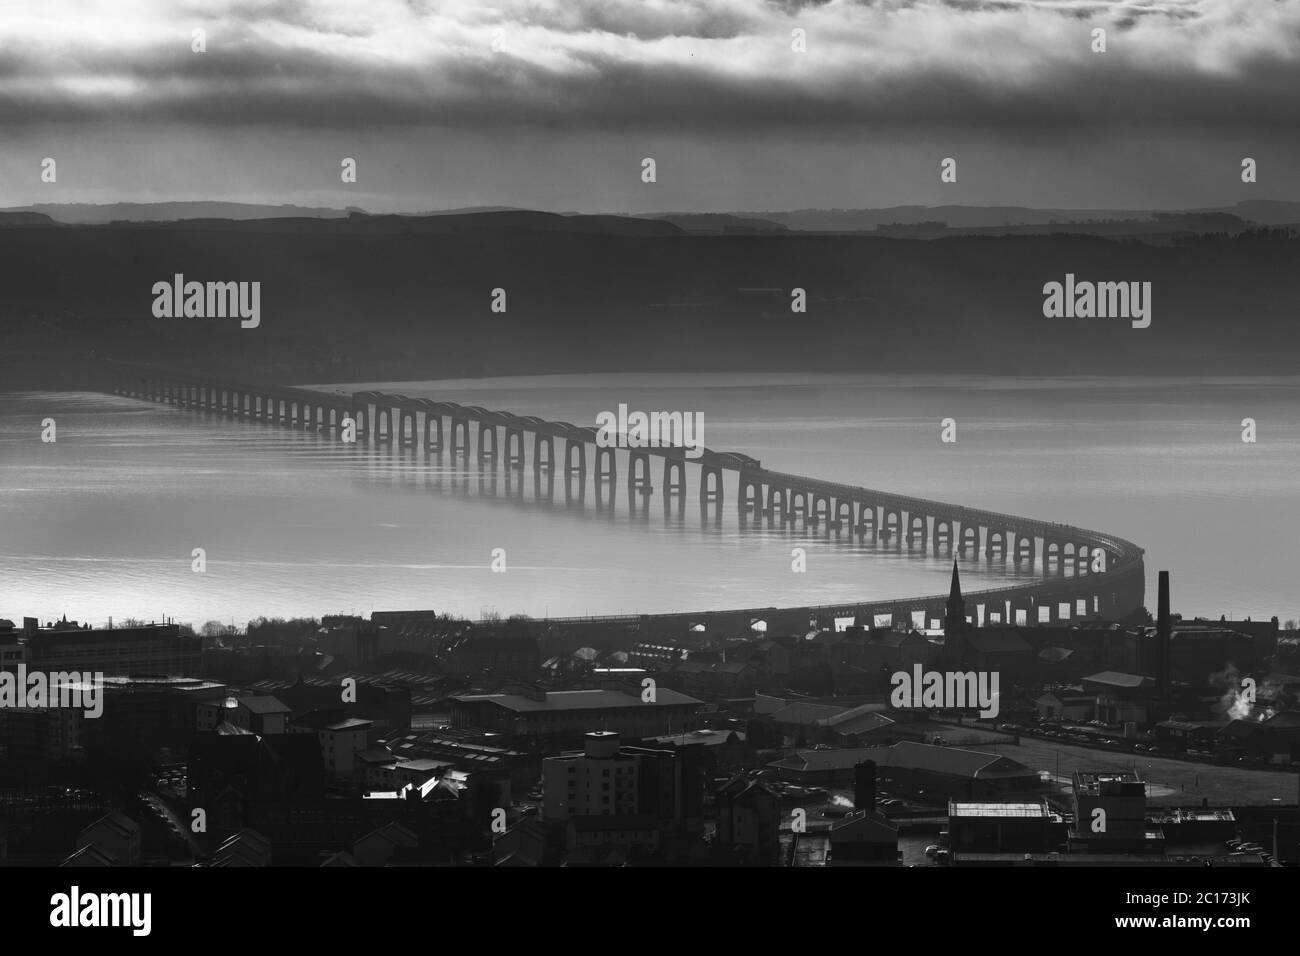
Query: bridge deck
[1126,557]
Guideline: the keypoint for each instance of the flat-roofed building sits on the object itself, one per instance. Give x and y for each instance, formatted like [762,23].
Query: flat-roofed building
[148,649]
[1023,827]
[1110,814]
[535,712]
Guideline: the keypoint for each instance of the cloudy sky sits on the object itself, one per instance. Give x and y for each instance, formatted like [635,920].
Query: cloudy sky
[552,104]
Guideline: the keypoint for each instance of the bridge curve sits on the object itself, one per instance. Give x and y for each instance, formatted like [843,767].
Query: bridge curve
[1084,573]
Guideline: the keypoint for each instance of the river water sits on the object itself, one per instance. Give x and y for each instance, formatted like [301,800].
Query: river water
[104,521]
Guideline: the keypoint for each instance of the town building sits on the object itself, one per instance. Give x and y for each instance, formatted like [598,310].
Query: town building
[749,822]
[155,649]
[532,711]
[1021,827]
[340,738]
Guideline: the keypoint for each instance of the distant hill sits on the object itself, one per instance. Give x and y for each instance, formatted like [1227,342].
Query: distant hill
[719,223]
[25,219]
[401,298]
[994,219]
[952,217]
[171,211]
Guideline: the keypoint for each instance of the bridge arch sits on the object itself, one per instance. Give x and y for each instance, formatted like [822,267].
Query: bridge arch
[574,449]
[867,522]
[843,513]
[778,499]
[750,496]
[432,431]
[487,441]
[710,487]
[543,443]
[459,437]
[674,478]
[514,448]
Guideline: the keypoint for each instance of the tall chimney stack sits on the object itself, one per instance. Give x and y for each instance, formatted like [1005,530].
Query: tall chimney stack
[864,786]
[1164,631]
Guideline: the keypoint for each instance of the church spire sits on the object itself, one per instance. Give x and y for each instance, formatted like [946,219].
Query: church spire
[956,613]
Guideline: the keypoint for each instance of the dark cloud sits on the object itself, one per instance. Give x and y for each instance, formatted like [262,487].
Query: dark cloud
[689,64]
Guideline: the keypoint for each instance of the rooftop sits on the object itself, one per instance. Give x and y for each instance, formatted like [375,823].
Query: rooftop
[1024,810]
[579,700]
[1118,679]
[262,704]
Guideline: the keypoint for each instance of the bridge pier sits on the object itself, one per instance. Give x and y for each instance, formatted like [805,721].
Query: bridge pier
[606,466]
[867,522]
[798,504]
[843,514]
[543,484]
[543,442]
[487,442]
[460,437]
[601,489]
[1053,553]
[710,488]
[638,474]
[778,499]
[674,479]
[383,425]
[820,510]
[575,487]
[514,447]
[574,447]
[407,437]
[432,431]
[749,497]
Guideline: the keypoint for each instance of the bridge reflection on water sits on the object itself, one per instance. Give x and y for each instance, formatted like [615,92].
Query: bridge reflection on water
[1065,572]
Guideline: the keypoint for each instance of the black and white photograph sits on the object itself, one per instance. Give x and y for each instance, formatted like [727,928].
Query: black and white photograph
[707,436]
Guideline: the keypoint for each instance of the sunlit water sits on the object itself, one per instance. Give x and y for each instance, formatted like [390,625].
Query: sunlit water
[104,521]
